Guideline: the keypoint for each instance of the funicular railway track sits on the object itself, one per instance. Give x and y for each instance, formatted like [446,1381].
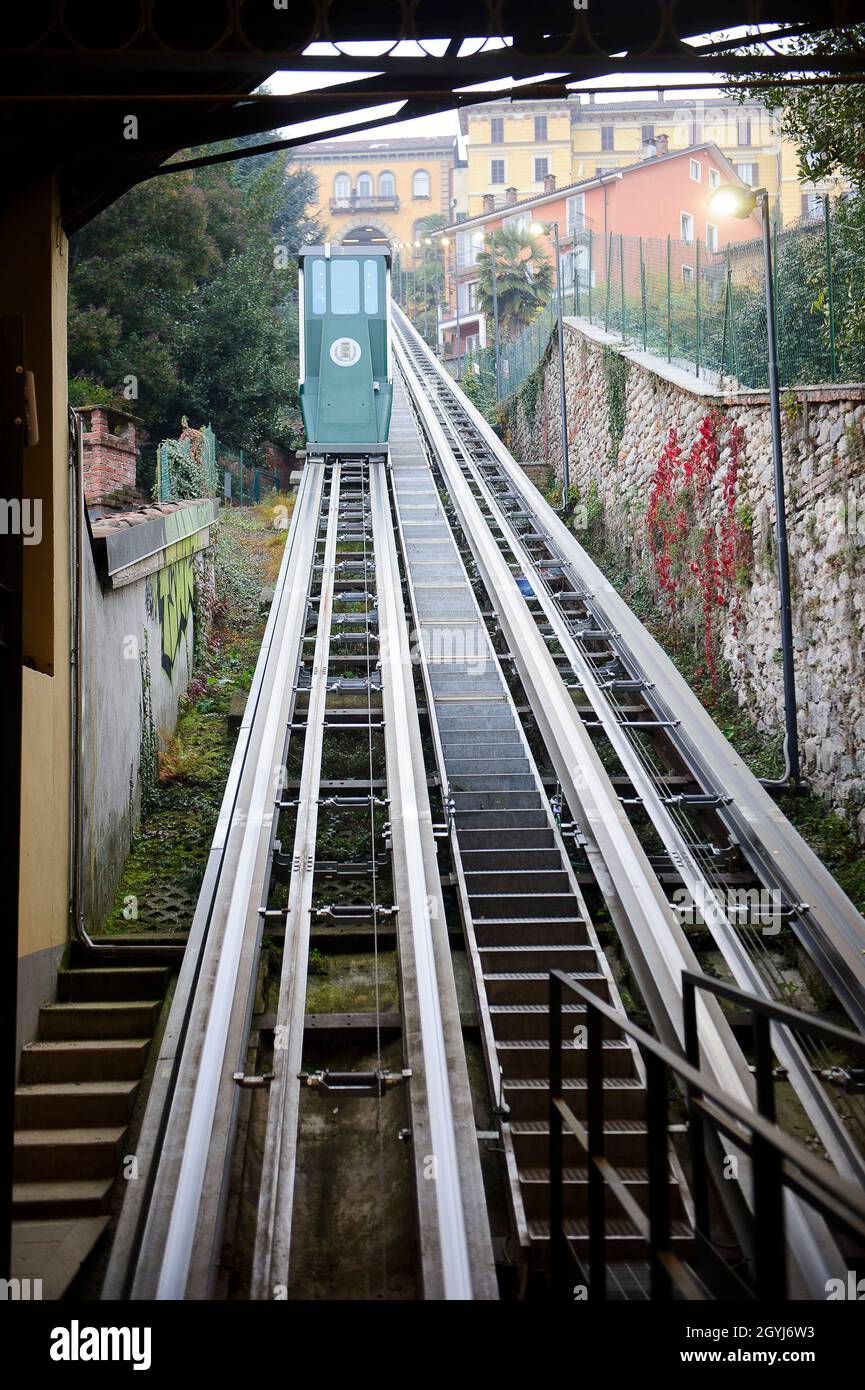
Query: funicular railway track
[346,719]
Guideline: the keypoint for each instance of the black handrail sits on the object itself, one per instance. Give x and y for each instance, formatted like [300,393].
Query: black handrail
[779,1162]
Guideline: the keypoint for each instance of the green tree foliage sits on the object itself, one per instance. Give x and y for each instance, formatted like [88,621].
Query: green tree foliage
[524,279]
[188,285]
[827,122]
[828,125]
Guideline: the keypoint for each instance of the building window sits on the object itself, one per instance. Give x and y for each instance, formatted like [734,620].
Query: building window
[468,246]
[576,209]
[386,185]
[420,184]
[542,168]
[687,275]
[521,221]
[607,142]
[743,130]
[696,170]
[714,178]
[648,135]
[711,236]
[364,185]
[497,171]
[748,173]
[497,130]
[812,205]
[540,129]
[686,225]
[342,186]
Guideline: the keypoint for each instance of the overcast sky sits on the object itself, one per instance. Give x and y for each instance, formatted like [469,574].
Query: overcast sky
[447,122]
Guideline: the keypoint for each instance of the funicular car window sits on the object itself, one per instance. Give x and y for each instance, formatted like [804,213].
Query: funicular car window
[344,287]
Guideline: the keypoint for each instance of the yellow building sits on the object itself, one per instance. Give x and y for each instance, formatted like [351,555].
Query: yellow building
[378,188]
[585,136]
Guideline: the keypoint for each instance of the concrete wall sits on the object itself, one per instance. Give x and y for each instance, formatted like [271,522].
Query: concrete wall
[824,453]
[122,626]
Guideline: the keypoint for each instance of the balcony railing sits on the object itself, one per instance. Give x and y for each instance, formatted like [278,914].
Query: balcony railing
[366,202]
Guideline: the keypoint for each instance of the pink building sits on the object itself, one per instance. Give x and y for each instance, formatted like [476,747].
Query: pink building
[665,196]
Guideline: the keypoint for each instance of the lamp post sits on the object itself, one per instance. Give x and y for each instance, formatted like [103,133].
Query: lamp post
[730,201]
[446,243]
[427,241]
[494,275]
[563,408]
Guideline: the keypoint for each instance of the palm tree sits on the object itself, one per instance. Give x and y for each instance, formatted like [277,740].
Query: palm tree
[524,279]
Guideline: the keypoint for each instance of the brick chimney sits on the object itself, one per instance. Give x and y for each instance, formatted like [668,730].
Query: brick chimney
[662,144]
[510,197]
[109,459]
[489,202]
[649,149]
[549,183]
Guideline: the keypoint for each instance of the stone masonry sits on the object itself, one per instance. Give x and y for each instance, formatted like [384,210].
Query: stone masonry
[824,459]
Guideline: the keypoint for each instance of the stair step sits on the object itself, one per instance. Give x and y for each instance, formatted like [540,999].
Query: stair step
[535,1189]
[522,883]
[53,1251]
[625,1142]
[543,956]
[524,1057]
[125,1018]
[531,986]
[61,1104]
[90,1059]
[49,1155]
[623,1240]
[506,866]
[520,837]
[528,906]
[500,803]
[528,1097]
[44,1200]
[482,749]
[109,983]
[513,1022]
[524,931]
[490,783]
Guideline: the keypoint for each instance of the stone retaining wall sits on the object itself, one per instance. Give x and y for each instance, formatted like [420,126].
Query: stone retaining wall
[621,405]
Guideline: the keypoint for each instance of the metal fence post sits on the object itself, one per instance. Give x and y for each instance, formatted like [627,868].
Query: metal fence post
[622,281]
[697,344]
[643,298]
[609,275]
[595,1129]
[833,366]
[669,307]
[241,477]
[591,270]
[659,1176]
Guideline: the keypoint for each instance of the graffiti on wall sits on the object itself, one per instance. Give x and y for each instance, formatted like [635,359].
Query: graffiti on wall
[174,596]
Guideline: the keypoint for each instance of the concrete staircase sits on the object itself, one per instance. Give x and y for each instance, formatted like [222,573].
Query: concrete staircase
[79,1081]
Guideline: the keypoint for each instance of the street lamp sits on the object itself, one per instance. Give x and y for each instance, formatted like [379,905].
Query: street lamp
[538,229]
[427,241]
[494,274]
[731,201]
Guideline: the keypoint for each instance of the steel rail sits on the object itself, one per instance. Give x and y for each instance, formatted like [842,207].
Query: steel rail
[456,1246]
[656,943]
[828,927]
[271,1253]
[838,1142]
[205,1000]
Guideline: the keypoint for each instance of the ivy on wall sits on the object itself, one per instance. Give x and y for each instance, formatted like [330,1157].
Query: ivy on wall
[699,549]
[615,370]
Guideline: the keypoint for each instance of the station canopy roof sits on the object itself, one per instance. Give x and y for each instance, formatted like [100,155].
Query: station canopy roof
[74,71]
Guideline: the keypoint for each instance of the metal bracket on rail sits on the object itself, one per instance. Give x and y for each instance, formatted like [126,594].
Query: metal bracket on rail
[357,1083]
[253,1083]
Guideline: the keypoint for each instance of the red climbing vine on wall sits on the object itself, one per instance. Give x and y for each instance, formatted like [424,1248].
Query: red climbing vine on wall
[695,539]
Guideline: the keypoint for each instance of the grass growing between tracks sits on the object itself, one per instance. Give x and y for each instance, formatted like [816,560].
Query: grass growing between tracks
[830,833]
[160,881]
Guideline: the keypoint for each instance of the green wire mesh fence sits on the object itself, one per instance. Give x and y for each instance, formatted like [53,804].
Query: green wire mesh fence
[704,309]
